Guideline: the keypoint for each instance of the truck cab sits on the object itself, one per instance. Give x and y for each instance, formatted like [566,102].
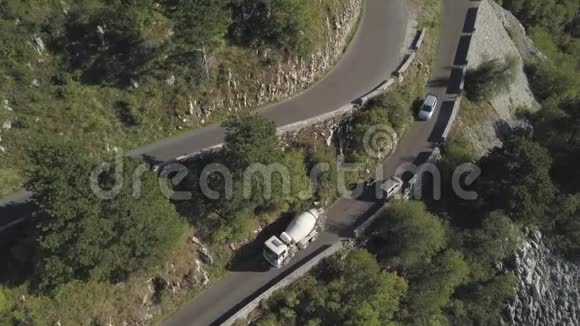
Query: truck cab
[275,252]
[302,231]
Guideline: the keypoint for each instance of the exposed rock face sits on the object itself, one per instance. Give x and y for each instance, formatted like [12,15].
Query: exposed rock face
[548,291]
[491,40]
[517,32]
[287,77]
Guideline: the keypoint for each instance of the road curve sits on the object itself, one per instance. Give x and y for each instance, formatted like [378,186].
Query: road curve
[374,52]
[238,287]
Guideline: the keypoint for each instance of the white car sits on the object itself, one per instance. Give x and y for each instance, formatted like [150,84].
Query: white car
[428,107]
[391,187]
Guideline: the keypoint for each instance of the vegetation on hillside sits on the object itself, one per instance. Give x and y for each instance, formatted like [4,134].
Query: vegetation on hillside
[555,29]
[81,236]
[126,73]
[356,289]
[453,262]
[449,277]
[253,155]
[344,290]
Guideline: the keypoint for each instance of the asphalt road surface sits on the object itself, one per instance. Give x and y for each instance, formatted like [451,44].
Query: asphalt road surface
[373,54]
[241,285]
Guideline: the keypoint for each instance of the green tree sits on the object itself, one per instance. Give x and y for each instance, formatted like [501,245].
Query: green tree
[299,180]
[553,15]
[485,247]
[372,135]
[547,80]
[411,236]
[251,142]
[106,41]
[433,290]
[496,240]
[398,110]
[291,25]
[483,303]
[557,127]
[200,23]
[516,178]
[251,139]
[319,156]
[4,309]
[80,236]
[295,24]
[563,226]
[352,290]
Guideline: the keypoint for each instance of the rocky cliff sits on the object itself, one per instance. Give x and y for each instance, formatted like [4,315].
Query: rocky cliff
[548,290]
[494,38]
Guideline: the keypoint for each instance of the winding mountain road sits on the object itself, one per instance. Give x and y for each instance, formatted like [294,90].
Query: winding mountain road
[372,55]
[241,285]
[374,52]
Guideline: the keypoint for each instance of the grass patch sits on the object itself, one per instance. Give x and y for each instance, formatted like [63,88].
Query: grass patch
[104,115]
[475,113]
[10,180]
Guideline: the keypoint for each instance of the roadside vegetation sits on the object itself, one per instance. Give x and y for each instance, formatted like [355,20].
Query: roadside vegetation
[126,73]
[452,254]
[534,177]
[68,258]
[555,29]
[416,270]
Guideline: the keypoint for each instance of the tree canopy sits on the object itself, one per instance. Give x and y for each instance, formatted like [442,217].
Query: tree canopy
[411,235]
[80,236]
[342,291]
[292,25]
[516,178]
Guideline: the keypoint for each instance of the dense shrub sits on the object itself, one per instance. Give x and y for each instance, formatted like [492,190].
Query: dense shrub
[490,78]
[80,236]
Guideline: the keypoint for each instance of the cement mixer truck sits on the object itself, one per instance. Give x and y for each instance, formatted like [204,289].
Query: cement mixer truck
[302,231]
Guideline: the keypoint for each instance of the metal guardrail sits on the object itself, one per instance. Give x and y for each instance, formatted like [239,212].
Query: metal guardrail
[451,121]
[420,40]
[361,229]
[346,109]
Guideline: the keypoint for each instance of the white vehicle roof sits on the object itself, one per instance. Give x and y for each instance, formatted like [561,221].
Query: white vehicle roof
[430,100]
[275,245]
[302,225]
[392,183]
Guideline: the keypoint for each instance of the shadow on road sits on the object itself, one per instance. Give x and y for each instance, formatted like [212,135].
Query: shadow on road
[462,50]
[151,160]
[249,258]
[15,211]
[441,123]
[268,285]
[454,83]
[469,25]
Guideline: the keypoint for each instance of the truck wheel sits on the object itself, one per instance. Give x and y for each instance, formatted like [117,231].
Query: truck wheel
[314,238]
